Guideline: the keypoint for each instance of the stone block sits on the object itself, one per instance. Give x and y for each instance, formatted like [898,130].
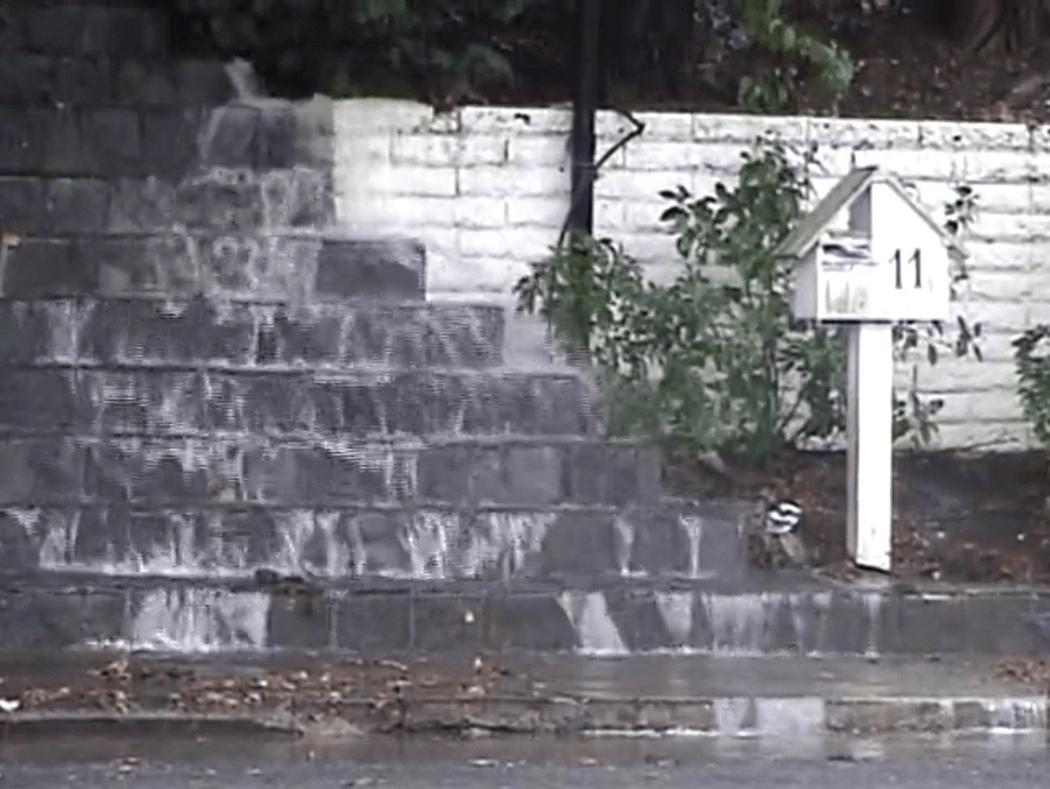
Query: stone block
[118,32]
[528,621]
[21,198]
[140,205]
[145,84]
[306,621]
[36,267]
[41,400]
[325,472]
[25,79]
[220,200]
[132,332]
[259,268]
[55,619]
[583,544]
[272,404]
[202,83]
[306,337]
[599,474]
[228,137]
[21,143]
[352,268]
[276,139]
[83,81]
[36,331]
[297,198]
[140,265]
[373,624]
[449,624]
[170,140]
[74,205]
[64,143]
[160,472]
[143,402]
[40,471]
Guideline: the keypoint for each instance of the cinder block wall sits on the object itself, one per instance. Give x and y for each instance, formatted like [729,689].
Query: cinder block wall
[487,189]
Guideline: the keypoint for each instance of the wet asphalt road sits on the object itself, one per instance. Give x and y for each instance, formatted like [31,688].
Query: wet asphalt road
[236,763]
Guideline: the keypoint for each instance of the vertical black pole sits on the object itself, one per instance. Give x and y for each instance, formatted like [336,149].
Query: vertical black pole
[585,104]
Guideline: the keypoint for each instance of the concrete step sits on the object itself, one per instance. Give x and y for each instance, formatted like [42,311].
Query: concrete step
[159,473]
[794,706]
[44,81]
[216,202]
[299,268]
[749,617]
[381,405]
[121,30]
[94,332]
[138,142]
[424,541]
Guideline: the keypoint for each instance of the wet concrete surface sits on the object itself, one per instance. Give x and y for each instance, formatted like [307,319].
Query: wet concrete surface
[914,762]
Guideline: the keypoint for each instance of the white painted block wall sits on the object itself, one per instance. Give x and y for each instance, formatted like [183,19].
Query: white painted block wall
[487,189]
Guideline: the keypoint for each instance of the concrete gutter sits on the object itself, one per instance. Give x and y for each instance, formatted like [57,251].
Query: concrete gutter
[518,695]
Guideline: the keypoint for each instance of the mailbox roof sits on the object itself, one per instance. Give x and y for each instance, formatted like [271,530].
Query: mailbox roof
[816,222]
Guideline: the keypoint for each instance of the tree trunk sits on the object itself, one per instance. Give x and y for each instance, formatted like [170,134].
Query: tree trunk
[1011,25]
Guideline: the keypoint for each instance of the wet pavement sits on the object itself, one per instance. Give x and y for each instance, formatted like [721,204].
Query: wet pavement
[916,762]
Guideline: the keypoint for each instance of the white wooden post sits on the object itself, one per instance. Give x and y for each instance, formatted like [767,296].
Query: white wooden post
[870,445]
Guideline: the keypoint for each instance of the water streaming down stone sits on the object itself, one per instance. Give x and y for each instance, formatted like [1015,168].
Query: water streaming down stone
[740,623]
[693,527]
[676,610]
[596,632]
[198,620]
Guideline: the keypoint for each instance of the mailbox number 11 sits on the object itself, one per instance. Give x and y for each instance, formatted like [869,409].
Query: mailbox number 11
[915,260]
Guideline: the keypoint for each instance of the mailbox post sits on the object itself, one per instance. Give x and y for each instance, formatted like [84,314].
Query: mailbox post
[869,256]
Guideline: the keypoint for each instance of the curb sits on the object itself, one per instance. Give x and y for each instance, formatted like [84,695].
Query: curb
[796,716]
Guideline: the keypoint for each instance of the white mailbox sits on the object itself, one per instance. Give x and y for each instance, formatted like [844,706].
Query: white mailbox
[869,252]
[869,255]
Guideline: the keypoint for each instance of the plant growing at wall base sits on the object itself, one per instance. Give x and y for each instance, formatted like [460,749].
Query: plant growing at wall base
[713,360]
[913,414]
[1032,361]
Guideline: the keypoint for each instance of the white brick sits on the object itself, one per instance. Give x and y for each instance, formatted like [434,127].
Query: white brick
[1012,227]
[476,276]
[989,437]
[371,148]
[711,158]
[747,128]
[1002,254]
[483,212]
[415,180]
[864,134]
[548,212]
[447,150]
[538,151]
[1003,286]
[1000,198]
[966,375]
[644,185]
[995,405]
[515,120]
[419,211]
[660,126]
[513,181]
[951,135]
[644,216]
[651,248]
[906,164]
[520,243]
[609,216]
[354,117]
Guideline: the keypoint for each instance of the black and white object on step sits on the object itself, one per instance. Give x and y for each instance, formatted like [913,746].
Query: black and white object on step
[783,517]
